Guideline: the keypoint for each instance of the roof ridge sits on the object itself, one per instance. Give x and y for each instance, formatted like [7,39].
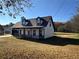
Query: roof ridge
[37,17]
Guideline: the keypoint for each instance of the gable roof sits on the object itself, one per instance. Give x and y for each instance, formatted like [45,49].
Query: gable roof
[18,25]
[34,22]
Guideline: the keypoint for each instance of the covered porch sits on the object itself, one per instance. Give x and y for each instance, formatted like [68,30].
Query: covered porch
[29,32]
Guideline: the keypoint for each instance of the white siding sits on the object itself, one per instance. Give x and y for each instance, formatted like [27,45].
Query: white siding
[49,30]
[26,32]
[22,31]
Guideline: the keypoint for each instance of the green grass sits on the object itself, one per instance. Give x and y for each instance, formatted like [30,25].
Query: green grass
[12,48]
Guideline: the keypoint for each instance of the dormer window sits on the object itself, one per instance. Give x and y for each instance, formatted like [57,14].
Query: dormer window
[39,21]
[24,21]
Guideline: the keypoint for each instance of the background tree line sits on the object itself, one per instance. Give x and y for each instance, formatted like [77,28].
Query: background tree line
[70,26]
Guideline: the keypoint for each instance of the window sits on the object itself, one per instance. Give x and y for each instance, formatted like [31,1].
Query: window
[28,32]
[24,23]
[39,21]
[50,24]
[34,32]
[40,32]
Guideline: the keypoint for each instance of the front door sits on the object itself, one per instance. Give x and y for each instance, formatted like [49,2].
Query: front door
[29,33]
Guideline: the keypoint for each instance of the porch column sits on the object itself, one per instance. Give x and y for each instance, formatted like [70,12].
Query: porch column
[40,34]
[24,31]
[19,32]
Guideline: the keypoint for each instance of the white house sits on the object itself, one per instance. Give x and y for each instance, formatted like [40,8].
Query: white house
[40,27]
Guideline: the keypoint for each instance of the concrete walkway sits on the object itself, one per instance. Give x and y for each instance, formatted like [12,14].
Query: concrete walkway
[8,35]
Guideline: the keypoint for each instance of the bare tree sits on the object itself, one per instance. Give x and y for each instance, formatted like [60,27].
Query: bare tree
[73,24]
[13,7]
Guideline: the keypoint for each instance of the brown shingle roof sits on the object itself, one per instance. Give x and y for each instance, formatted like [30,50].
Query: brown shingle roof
[17,25]
[33,22]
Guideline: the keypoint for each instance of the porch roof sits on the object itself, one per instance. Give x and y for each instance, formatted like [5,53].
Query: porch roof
[30,27]
[33,27]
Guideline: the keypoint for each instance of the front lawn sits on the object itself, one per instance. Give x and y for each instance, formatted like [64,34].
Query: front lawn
[67,35]
[12,48]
